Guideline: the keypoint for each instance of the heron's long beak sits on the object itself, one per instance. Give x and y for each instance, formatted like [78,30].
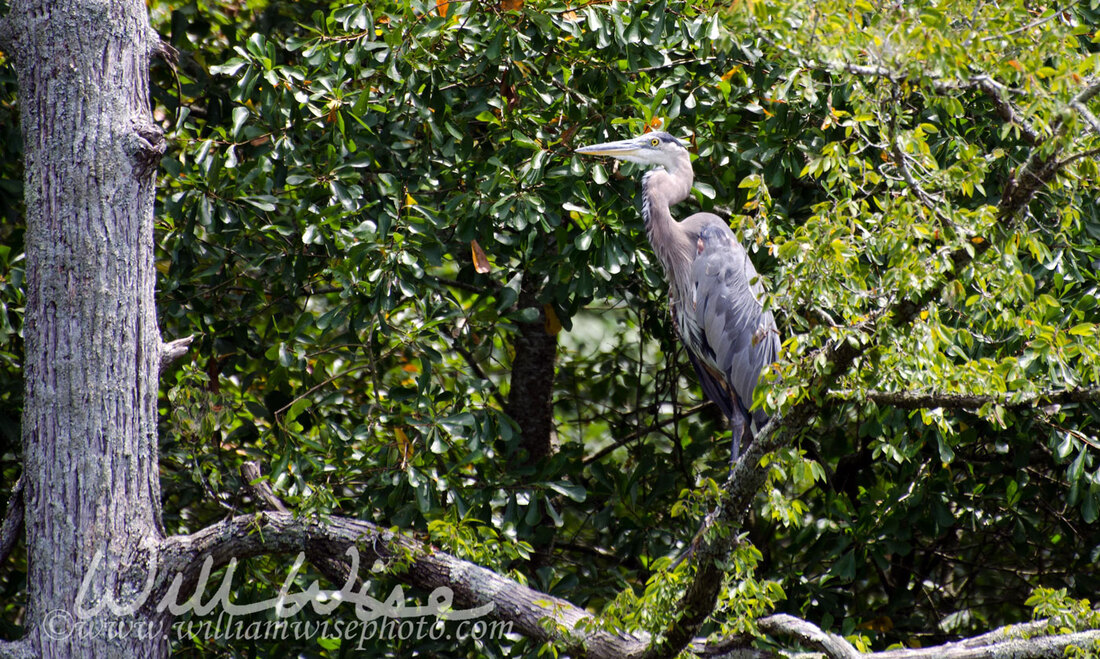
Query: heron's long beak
[614,149]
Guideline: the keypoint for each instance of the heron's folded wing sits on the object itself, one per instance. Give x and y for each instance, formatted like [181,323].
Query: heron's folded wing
[732,318]
[713,385]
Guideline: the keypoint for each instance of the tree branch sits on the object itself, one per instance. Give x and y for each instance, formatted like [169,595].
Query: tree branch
[998,93]
[422,566]
[7,33]
[573,629]
[335,570]
[261,489]
[914,401]
[1024,640]
[808,634]
[13,520]
[173,350]
[16,650]
[745,480]
[1087,115]
[1040,168]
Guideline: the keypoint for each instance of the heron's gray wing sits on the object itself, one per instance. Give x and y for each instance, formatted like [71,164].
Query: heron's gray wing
[713,386]
[735,327]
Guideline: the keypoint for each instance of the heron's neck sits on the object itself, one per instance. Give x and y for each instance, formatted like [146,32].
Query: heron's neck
[662,189]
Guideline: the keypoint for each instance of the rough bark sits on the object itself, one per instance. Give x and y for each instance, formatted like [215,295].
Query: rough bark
[92,346]
[530,403]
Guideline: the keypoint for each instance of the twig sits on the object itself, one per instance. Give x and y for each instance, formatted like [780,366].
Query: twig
[261,488]
[637,434]
[13,520]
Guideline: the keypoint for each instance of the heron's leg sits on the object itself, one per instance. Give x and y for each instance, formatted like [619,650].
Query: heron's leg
[737,425]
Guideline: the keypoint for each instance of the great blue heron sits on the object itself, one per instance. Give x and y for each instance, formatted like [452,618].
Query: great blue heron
[715,295]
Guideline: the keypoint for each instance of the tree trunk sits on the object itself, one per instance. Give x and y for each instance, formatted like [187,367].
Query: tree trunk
[530,399]
[92,345]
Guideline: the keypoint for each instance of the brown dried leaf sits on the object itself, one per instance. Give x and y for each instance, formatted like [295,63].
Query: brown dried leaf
[481,261]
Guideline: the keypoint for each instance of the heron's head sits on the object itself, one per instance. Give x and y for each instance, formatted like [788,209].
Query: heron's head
[656,148]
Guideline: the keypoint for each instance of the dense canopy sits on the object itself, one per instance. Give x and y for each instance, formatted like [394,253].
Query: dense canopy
[415,305]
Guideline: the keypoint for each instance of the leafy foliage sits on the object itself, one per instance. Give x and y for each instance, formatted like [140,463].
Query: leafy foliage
[364,204]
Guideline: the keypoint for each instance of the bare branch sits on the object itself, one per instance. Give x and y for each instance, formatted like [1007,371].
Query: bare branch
[903,166]
[1053,646]
[1091,153]
[13,520]
[745,480]
[1024,640]
[16,650]
[1049,16]
[173,350]
[808,634]
[913,401]
[472,362]
[261,488]
[423,566]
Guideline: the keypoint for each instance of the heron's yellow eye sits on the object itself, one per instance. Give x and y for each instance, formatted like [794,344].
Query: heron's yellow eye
[655,141]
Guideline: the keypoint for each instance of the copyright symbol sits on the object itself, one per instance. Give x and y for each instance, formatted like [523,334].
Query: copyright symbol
[58,625]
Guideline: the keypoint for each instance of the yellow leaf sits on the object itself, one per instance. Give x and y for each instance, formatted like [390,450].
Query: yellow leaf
[552,324]
[441,7]
[481,261]
[409,201]
[403,444]
[511,5]
[729,74]
[977,240]
[924,315]
[653,124]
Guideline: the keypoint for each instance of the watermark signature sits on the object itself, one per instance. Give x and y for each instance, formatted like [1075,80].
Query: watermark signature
[392,618]
[60,624]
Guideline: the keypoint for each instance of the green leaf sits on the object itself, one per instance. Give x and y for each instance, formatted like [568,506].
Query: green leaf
[570,490]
